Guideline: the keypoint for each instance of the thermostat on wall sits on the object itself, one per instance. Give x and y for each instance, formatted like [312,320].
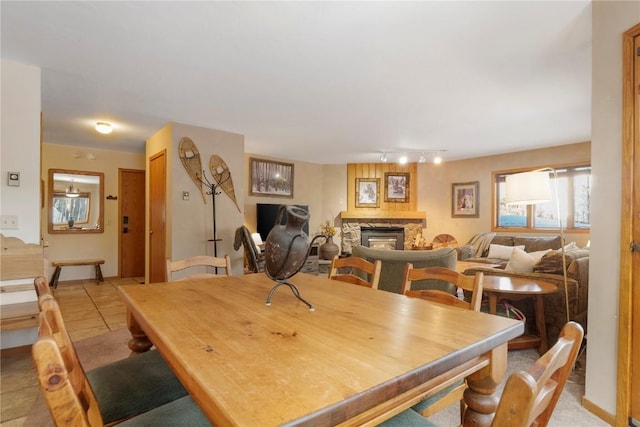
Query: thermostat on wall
[14,179]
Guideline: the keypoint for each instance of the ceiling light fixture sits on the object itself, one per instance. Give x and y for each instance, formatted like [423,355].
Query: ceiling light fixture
[403,157]
[104,128]
[72,191]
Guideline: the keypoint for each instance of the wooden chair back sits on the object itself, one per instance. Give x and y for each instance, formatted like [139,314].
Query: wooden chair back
[468,283]
[529,397]
[199,261]
[41,286]
[63,381]
[370,269]
[254,258]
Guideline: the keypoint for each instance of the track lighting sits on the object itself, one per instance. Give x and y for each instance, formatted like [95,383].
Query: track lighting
[403,157]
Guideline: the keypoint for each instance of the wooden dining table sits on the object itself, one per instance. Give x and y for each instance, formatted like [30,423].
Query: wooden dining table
[359,357]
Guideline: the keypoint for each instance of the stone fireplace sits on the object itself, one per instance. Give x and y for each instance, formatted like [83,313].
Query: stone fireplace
[405,229]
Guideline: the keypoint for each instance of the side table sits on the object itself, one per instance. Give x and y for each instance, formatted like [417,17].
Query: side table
[516,288]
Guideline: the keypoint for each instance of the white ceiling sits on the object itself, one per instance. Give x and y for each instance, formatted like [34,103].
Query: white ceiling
[324,82]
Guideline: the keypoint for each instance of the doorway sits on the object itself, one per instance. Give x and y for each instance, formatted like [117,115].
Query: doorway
[131,216]
[157,217]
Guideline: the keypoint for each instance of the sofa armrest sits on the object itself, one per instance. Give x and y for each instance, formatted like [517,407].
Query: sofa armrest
[464,252]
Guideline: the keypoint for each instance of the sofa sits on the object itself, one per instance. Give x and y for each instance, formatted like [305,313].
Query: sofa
[548,267]
[394,261]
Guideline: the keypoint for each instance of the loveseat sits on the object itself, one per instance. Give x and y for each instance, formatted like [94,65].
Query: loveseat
[547,266]
[394,261]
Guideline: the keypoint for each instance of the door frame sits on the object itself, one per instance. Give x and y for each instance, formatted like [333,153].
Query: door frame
[629,131]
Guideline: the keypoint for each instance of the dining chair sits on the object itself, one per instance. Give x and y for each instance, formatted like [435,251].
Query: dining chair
[41,286]
[253,257]
[359,268]
[199,261]
[452,392]
[529,397]
[141,390]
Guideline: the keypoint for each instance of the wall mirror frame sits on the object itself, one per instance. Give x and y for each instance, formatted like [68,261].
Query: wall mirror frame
[75,202]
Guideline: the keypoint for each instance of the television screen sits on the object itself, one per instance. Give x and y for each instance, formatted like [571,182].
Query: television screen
[266,218]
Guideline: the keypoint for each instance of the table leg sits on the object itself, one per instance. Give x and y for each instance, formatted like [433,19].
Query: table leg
[493,302]
[479,397]
[541,325]
[139,343]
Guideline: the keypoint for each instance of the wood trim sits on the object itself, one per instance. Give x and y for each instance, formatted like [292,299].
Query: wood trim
[623,401]
[598,411]
[378,170]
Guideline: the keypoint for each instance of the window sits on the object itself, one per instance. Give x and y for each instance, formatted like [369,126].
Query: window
[574,193]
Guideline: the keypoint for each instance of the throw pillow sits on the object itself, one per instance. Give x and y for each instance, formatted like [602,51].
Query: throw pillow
[523,262]
[552,261]
[501,252]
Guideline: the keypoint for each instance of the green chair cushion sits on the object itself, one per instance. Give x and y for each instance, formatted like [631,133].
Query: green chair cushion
[408,418]
[421,406]
[134,385]
[181,412]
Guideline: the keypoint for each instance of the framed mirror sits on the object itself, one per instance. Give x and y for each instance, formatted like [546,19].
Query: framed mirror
[75,201]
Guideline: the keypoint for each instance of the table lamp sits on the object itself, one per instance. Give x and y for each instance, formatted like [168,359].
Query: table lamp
[530,188]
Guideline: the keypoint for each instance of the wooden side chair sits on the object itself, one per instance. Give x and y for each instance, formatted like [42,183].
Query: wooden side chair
[453,392]
[467,283]
[142,390]
[199,261]
[253,257]
[41,286]
[371,270]
[529,397]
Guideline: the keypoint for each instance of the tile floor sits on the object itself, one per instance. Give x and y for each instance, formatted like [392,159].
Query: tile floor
[88,310]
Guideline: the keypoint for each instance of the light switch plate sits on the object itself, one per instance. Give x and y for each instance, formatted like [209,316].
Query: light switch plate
[13,179]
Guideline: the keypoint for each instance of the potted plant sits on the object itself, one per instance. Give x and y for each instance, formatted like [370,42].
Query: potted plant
[328,249]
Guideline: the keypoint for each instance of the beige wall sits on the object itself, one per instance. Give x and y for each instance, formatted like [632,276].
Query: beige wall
[307,190]
[190,222]
[91,245]
[609,20]
[20,146]
[434,187]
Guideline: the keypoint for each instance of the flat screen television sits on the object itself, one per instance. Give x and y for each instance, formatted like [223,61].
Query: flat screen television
[267,214]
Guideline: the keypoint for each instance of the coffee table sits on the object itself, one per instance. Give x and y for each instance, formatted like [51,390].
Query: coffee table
[517,288]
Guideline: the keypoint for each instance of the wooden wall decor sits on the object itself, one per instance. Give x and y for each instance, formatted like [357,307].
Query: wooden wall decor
[380,171]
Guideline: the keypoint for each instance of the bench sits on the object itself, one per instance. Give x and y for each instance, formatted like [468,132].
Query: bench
[76,262]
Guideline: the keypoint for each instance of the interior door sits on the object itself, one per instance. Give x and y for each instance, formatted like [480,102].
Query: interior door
[628,400]
[157,217]
[635,254]
[131,213]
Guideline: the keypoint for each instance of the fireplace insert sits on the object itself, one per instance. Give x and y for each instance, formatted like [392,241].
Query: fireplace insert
[382,237]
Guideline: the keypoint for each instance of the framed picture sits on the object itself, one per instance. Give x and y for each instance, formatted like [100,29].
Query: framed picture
[367,192]
[464,200]
[270,178]
[396,187]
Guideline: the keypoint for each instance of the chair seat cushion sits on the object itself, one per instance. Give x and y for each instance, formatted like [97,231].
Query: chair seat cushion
[424,404]
[181,412]
[134,385]
[408,418]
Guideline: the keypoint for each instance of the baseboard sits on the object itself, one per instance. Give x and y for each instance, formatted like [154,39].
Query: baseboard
[598,411]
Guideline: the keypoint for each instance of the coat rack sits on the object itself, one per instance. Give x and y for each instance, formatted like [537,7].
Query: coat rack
[212,189]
